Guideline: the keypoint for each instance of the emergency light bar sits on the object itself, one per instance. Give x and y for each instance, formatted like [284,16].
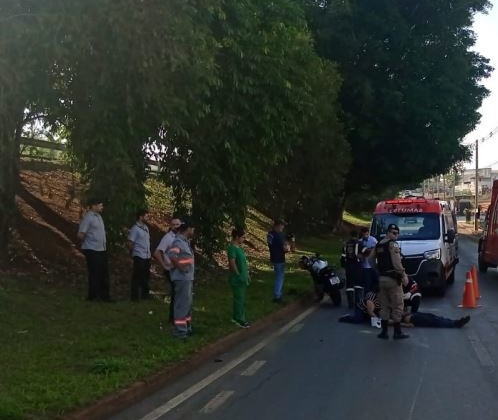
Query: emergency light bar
[407,201]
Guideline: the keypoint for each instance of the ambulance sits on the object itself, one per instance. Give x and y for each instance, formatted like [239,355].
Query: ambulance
[488,243]
[428,238]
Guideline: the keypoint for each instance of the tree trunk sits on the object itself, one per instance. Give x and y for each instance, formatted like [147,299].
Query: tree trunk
[336,212]
[10,130]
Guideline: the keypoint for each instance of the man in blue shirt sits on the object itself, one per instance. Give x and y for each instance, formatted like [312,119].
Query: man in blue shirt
[278,247]
[367,244]
[139,244]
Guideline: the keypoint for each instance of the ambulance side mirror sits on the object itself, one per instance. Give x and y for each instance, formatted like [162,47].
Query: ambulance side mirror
[450,236]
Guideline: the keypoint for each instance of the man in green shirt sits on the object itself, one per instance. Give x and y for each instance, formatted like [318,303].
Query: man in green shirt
[239,277]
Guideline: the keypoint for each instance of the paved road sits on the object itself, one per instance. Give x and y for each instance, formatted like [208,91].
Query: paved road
[317,368]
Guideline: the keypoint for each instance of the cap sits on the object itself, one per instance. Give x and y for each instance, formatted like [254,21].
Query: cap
[392,226]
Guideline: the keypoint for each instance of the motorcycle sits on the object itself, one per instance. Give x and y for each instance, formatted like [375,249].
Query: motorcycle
[325,278]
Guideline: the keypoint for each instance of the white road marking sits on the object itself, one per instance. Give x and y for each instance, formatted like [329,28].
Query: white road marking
[251,370]
[216,402]
[417,391]
[482,354]
[194,389]
[297,327]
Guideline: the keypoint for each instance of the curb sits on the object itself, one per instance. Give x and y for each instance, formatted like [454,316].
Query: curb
[117,402]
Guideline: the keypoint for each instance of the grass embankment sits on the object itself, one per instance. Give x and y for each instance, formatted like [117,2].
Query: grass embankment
[59,352]
[358,219]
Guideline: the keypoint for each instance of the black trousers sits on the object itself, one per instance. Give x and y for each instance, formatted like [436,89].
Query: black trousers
[171,317]
[353,274]
[98,274]
[140,278]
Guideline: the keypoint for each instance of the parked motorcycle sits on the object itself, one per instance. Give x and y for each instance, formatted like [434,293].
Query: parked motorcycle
[325,277]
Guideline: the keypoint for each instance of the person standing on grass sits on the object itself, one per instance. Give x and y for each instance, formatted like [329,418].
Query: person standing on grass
[91,234]
[139,244]
[182,275]
[161,256]
[239,277]
[278,247]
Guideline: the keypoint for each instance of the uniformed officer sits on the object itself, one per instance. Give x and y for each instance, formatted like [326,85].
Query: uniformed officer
[161,256]
[182,274]
[392,276]
[350,260]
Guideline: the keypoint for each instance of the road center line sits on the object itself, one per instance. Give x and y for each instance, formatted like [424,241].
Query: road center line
[251,370]
[194,389]
[216,402]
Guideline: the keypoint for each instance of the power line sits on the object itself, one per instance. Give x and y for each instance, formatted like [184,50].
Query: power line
[482,139]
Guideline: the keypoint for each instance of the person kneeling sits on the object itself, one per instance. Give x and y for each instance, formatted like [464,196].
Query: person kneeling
[367,308]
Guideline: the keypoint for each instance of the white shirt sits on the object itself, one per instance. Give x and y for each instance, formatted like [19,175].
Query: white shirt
[164,245]
[139,235]
[92,225]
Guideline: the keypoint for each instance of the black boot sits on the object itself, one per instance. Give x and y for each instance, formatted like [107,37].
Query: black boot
[398,334]
[383,333]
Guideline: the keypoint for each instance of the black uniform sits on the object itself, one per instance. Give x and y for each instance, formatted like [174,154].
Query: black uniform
[352,263]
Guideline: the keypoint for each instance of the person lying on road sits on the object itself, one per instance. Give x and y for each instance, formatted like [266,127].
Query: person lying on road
[422,319]
[369,307]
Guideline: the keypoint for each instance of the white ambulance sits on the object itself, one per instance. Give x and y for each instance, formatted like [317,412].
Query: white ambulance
[428,238]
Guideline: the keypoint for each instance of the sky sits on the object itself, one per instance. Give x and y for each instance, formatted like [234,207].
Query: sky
[486,29]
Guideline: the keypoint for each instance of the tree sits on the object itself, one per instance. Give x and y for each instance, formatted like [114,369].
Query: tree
[307,188]
[111,75]
[411,84]
[24,78]
[133,70]
[256,112]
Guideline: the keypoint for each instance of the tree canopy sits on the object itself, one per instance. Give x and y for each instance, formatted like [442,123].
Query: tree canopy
[287,105]
[411,83]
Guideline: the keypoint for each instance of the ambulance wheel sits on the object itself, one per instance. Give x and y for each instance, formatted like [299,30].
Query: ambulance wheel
[483,267]
[335,296]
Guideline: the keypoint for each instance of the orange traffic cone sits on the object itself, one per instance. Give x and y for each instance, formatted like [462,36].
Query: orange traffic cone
[475,282]
[469,299]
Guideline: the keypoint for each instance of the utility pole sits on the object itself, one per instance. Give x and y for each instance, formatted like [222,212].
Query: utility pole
[476,186]
[444,187]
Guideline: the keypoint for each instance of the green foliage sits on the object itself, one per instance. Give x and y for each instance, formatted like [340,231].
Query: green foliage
[306,188]
[365,201]
[410,91]
[257,112]
[238,100]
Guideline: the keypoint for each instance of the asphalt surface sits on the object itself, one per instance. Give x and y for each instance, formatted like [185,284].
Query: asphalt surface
[317,368]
